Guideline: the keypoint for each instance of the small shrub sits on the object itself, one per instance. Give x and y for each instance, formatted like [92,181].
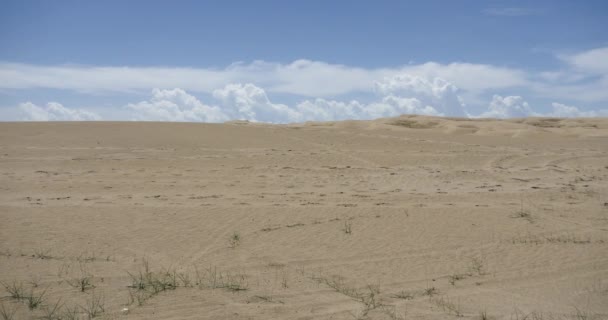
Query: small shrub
[42,254]
[430,291]
[33,300]
[94,307]
[52,312]
[405,295]
[15,290]
[82,283]
[235,240]
[348,227]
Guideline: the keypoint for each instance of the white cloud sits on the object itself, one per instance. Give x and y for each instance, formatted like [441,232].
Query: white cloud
[314,79]
[508,107]
[175,105]
[593,61]
[397,95]
[249,102]
[54,111]
[440,94]
[565,111]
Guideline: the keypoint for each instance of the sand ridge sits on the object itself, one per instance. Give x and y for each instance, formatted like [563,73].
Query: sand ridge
[398,218]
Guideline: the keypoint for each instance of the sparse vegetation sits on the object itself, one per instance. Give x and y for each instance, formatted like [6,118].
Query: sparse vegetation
[368,296]
[523,214]
[42,254]
[430,291]
[94,307]
[52,312]
[82,282]
[34,300]
[477,265]
[348,227]
[235,240]
[15,290]
[405,295]
[456,277]
[448,305]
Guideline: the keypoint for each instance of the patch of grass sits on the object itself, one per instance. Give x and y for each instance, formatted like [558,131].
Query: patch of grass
[484,315]
[348,227]
[81,283]
[214,279]
[368,296]
[42,254]
[477,265]
[448,305]
[15,290]
[430,291]
[94,307]
[33,300]
[405,295]
[70,313]
[457,277]
[52,312]
[235,240]
[522,214]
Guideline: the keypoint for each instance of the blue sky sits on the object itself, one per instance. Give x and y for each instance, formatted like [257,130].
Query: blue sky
[284,61]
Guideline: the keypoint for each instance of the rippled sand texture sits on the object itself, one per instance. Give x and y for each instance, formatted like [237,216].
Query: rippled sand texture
[402,218]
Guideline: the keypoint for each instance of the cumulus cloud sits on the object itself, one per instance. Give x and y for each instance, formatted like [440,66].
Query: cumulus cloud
[565,111]
[437,93]
[175,105]
[508,107]
[402,94]
[249,102]
[54,111]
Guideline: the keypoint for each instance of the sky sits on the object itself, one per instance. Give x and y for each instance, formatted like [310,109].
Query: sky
[295,61]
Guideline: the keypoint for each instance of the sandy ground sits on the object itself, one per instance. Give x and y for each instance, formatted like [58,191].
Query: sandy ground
[403,218]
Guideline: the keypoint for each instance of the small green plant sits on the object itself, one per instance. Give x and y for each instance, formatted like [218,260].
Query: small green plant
[523,214]
[70,313]
[42,254]
[405,295]
[448,306]
[52,312]
[284,283]
[484,315]
[348,227]
[15,290]
[430,291]
[94,307]
[235,240]
[82,283]
[33,300]
[456,277]
[477,266]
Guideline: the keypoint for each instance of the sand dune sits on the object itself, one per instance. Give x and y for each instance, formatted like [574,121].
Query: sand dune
[399,218]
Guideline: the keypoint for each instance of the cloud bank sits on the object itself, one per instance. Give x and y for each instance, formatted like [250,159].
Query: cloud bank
[397,95]
[324,91]
[54,111]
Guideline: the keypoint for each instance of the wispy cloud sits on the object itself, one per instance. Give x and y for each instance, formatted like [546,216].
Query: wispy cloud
[510,11]
[301,77]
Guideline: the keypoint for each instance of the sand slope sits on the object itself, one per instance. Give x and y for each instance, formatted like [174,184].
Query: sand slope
[402,218]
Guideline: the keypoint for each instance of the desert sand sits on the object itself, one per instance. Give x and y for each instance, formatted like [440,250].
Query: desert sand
[399,218]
